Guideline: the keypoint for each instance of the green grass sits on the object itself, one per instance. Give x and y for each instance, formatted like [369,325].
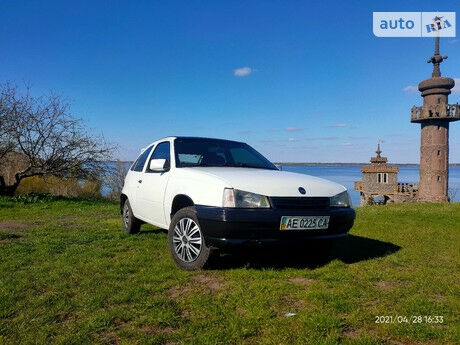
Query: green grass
[68,274]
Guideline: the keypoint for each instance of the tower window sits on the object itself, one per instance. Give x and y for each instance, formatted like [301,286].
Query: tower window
[439,100]
[382,177]
[439,178]
[439,152]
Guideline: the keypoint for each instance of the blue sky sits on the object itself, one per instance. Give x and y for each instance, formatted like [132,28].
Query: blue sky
[298,80]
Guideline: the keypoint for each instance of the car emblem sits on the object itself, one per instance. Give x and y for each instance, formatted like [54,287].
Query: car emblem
[302,190]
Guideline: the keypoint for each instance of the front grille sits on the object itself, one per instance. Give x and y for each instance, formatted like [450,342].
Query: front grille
[300,202]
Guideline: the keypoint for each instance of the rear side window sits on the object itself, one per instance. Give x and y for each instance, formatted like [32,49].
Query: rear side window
[140,161]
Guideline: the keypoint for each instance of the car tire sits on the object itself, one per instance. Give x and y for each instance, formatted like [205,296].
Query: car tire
[131,224]
[186,241]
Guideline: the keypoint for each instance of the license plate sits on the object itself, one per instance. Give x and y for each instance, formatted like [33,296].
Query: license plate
[304,223]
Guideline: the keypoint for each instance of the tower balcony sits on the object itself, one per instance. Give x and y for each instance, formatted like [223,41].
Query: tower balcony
[406,188]
[446,112]
[359,186]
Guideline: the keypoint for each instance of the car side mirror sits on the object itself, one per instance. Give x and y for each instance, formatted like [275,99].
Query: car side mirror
[159,165]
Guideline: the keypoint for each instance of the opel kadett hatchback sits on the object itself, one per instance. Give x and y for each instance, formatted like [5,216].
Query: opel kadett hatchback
[214,194]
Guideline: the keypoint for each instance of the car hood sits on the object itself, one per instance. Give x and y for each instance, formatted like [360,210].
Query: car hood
[271,182]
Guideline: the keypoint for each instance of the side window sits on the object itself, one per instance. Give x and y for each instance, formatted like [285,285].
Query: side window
[139,164]
[162,151]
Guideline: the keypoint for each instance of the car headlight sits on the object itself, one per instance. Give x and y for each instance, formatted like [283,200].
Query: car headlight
[340,200]
[240,199]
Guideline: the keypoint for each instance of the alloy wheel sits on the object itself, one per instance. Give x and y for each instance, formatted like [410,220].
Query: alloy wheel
[187,240]
[126,215]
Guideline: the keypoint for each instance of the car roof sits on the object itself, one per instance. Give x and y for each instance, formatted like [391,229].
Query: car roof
[191,137]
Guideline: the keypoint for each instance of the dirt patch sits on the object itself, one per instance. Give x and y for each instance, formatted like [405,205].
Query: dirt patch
[180,290]
[240,311]
[10,230]
[385,285]
[211,282]
[438,297]
[290,304]
[186,314]
[294,303]
[12,226]
[352,332]
[157,329]
[301,281]
[198,283]
[407,342]
[67,218]
[110,338]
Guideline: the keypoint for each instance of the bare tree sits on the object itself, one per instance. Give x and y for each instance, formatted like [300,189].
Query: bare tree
[115,180]
[8,104]
[39,136]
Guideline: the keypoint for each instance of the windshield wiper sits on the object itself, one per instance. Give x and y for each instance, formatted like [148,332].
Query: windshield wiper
[227,165]
[244,165]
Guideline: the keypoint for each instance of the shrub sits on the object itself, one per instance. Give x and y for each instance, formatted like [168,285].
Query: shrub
[58,186]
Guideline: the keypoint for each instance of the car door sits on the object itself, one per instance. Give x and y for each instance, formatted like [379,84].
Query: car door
[133,177]
[153,186]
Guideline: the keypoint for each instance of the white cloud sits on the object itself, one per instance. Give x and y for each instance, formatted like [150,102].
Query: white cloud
[338,125]
[411,89]
[279,141]
[242,71]
[323,138]
[293,129]
[358,138]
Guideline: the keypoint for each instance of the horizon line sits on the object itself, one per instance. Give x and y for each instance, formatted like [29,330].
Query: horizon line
[309,163]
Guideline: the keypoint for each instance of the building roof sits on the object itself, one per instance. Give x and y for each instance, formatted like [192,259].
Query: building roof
[379,164]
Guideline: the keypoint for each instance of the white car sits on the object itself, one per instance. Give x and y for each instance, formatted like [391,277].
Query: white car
[214,194]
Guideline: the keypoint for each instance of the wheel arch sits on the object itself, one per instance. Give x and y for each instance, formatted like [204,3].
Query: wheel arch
[123,198]
[179,202]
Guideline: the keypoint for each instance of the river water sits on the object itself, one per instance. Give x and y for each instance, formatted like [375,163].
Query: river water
[347,174]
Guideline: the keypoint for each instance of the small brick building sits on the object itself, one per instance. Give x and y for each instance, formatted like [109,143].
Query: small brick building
[380,181]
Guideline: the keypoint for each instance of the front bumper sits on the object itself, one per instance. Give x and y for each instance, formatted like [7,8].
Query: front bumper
[223,227]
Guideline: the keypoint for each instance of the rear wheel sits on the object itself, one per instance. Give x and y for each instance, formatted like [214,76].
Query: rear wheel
[186,241]
[131,224]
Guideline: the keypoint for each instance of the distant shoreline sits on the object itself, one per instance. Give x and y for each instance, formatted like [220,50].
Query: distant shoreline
[352,164]
[326,164]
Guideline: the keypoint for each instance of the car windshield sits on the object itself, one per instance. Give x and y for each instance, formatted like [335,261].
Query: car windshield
[195,152]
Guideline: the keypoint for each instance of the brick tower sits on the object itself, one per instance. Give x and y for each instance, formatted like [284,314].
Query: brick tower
[434,117]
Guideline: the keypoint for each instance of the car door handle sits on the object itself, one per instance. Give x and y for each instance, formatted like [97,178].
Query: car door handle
[140,181]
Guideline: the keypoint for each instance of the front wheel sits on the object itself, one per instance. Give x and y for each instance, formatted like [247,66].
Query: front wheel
[186,241]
